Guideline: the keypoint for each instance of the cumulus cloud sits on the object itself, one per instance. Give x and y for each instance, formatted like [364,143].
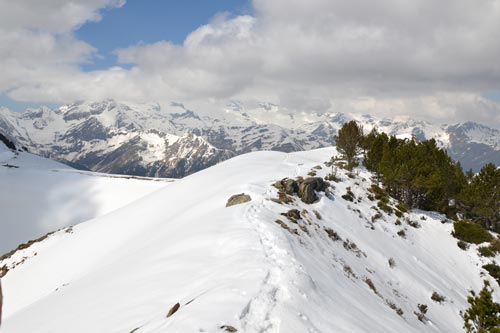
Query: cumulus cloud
[39,54]
[387,57]
[56,16]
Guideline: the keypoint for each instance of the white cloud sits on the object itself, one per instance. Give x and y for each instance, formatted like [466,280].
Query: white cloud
[54,16]
[420,58]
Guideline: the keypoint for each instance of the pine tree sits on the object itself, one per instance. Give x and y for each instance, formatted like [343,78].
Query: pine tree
[348,141]
[469,175]
[374,150]
[481,197]
[483,316]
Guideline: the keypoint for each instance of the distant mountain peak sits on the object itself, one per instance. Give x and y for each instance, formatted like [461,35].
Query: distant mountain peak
[94,135]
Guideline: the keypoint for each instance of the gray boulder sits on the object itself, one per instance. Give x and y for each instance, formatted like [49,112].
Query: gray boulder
[238,199]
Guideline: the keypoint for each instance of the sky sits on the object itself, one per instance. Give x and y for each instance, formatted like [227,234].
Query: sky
[416,58]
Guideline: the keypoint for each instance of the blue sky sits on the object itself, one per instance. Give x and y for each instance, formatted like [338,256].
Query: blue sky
[149,21]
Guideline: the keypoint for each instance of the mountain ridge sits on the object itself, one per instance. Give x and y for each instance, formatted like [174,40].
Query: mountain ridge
[142,139]
[332,265]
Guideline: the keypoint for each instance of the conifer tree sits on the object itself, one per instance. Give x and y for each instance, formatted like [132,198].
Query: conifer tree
[483,316]
[481,197]
[348,141]
[374,150]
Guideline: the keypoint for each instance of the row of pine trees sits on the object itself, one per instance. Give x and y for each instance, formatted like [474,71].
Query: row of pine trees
[422,175]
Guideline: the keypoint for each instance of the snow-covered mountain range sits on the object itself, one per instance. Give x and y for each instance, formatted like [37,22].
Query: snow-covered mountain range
[143,139]
[179,260]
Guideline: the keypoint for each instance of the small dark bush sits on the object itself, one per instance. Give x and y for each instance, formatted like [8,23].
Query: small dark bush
[493,270]
[394,307]
[485,251]
[332,177]
[402,233]
[349,196]
[495,246]
[463,245]
[376,217]
[385,207]
[402,207]
[471,232]
[422,310]
[378,192]
[413,224]
[384,200]
[398,213]
[491,250]
[436,297]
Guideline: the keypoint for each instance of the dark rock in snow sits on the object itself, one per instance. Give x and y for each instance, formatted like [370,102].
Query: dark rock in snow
[173,310]
[238,199]
[309,186]
[293,215]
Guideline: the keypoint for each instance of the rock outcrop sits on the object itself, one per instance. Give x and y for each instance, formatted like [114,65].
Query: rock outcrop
[304,188]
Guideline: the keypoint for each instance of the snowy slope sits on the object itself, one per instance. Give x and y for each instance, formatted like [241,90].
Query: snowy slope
[39,196]
[123,271]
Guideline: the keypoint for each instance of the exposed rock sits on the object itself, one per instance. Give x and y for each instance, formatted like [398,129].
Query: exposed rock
[293,215]
[318,215]
[308,188]
[305,188]
[283,198]
[229,328]
[173,310]
[291,186]
[9,144]
[332,234]
[286,227]
[238,199]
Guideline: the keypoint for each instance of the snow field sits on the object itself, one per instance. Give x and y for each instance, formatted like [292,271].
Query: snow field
[235,266]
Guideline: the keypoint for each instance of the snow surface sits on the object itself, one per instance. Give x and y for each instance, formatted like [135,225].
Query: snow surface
[123,271]
[40,196]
